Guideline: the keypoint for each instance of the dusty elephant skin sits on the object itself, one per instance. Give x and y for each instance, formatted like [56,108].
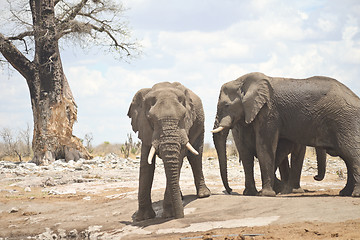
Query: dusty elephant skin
[170,121]
[318,111]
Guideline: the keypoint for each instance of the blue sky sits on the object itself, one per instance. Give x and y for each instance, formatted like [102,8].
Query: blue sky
[201,44]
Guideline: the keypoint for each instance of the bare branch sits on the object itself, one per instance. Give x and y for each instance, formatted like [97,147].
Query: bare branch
[22,35]
[73,12]
[15,57]
[115,42]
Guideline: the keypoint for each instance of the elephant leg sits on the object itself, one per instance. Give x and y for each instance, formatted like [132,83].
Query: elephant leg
[266,144]
[349,187]
[195,161]
[356,179]
[352,186]
[248,164]
[284,169]
[297,160]
[241,135]
[146,177]
[282,162]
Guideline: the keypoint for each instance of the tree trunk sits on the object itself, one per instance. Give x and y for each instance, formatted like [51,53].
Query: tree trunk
[54,109]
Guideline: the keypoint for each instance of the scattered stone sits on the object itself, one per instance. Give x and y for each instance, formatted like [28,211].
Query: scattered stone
[73,234]
[14,210]
[49,182]
[27,189]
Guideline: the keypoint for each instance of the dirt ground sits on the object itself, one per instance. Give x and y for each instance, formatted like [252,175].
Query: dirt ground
[97,201]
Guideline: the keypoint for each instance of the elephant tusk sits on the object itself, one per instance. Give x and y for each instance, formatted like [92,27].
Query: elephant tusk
[191,149]
[219,129]
[151,154]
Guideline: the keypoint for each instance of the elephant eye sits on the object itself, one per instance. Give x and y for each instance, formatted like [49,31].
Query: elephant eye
[150,101]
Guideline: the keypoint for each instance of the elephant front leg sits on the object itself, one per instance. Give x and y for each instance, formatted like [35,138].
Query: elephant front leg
[146,177]
[248,164]
[266,143]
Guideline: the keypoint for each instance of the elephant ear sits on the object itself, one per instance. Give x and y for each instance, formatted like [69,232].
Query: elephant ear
[137,113]
[254,94]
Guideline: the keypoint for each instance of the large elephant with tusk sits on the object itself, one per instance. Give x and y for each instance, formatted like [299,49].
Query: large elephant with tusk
[169,119]
[317,111]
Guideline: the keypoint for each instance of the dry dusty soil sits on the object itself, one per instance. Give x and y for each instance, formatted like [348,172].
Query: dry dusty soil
[96,199]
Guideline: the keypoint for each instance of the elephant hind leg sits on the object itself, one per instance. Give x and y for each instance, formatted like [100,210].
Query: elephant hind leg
[202,190]
[195,161]
[352,186]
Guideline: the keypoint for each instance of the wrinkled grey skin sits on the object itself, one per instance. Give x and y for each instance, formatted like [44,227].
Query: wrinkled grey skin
[167,116]
[317,111]
[290,176]
[244,138]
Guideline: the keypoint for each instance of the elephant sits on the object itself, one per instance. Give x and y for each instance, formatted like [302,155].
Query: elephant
[290,177]
[169,119]
[244,138]
[317,111]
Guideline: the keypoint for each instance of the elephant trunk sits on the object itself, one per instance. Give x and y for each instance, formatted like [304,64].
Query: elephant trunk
[170,144]
[321,163]
[220,146]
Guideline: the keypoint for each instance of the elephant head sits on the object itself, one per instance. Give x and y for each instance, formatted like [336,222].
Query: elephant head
[240,102]
[162,116]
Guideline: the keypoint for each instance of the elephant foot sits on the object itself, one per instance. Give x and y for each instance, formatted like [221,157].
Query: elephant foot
[203,192]
[144,214]
[286,190]
[356,192]
[298,190]
[278,186]
[267,192]
[346,191]
[250,192]
[168,212]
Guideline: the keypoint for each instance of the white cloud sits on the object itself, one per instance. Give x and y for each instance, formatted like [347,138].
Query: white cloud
[85,82]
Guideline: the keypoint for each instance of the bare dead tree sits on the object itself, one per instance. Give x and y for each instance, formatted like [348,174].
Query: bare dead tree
[11,144]
[25,136]
[88,138]
[30,43]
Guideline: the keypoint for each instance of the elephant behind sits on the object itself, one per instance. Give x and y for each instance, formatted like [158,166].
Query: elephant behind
[244,137]
[169,119]
[317,111]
